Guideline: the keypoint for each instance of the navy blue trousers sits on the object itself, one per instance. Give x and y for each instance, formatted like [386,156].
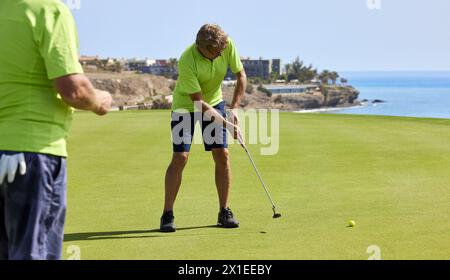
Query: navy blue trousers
[33,209]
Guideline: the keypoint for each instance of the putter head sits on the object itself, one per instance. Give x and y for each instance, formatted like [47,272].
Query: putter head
[276,215]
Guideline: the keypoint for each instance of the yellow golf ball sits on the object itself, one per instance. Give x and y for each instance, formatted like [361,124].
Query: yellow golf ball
[351,223]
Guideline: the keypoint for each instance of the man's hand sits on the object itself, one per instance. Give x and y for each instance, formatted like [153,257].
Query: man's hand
[9,165]
[236,131]
[234,118]
[105,101]
[239,136]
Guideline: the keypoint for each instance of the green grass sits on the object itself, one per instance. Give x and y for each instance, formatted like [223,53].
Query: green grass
[391,175]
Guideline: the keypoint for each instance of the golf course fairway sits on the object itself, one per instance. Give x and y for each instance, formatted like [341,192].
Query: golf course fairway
[391,175]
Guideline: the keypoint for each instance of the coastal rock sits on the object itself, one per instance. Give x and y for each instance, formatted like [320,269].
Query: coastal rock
[338,96]
[378,101]
[302,101]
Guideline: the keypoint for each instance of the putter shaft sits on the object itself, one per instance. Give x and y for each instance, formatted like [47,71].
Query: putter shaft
[260,178]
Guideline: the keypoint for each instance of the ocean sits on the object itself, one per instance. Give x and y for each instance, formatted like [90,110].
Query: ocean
[411,94]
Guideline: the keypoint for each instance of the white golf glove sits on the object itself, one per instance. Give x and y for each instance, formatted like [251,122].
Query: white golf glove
[9,165]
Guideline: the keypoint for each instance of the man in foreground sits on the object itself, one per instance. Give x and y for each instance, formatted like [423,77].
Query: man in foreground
[38,60]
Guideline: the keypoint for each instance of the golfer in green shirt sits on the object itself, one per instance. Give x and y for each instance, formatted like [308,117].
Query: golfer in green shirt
[40,81]
[198,97]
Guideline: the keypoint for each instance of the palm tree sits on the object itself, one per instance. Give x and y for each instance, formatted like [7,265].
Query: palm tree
[297,66]
[334,76]
[308,73]
[324,76]
[298,70]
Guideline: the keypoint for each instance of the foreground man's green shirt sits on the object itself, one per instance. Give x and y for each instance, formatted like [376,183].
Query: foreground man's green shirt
[38,43]
[196,74]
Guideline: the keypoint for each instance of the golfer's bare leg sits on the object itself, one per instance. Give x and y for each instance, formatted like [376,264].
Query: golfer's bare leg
[223,175]
[173,178]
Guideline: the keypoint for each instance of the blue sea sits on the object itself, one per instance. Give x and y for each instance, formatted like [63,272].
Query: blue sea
[412,94]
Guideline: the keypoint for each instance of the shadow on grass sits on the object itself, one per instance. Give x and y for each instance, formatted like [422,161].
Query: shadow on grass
[119,234]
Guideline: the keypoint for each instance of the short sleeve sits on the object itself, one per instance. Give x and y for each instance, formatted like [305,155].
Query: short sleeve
[187,77]
[235,62]
[58,41]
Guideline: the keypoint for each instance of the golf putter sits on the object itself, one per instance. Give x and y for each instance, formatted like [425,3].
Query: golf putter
[275,214]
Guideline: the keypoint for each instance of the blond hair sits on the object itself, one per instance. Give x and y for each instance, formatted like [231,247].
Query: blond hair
[212,37]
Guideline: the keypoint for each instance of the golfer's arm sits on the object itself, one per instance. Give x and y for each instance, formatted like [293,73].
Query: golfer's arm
[77,91]
[208,110]
[239,90]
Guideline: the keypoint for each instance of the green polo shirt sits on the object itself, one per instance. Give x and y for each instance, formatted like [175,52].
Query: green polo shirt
[38,44]
[197,73]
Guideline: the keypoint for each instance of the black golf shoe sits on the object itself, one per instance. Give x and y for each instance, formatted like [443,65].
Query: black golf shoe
[167,222]
[226,219]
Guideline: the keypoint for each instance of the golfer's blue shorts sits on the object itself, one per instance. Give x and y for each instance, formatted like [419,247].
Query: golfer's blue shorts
[32,210]
[183,125]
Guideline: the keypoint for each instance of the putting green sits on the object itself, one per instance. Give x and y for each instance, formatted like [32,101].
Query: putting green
[390,175]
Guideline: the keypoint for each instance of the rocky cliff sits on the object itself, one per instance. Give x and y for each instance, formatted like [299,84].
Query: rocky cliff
[148,91]
[132,89]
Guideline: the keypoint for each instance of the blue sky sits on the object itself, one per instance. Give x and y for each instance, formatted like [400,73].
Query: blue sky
[339,35]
